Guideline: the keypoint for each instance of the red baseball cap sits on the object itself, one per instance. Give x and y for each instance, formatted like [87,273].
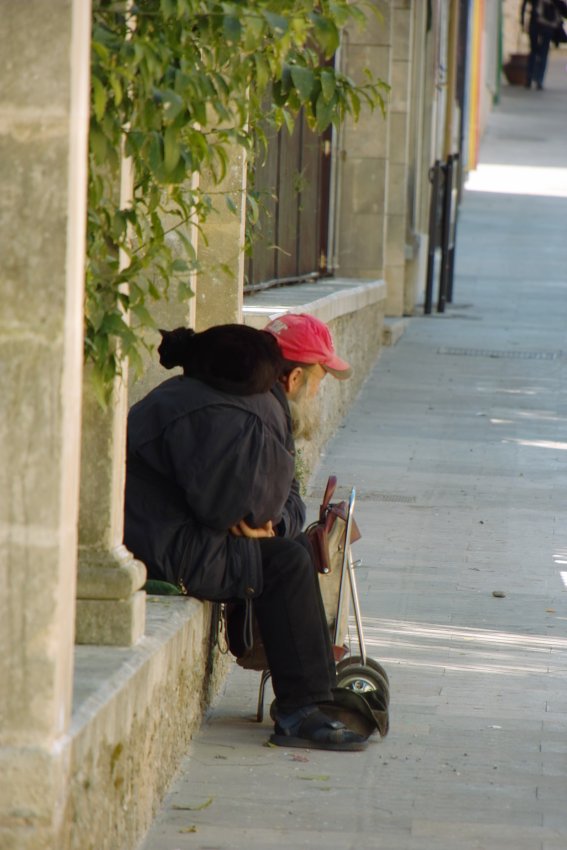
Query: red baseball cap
[304,339]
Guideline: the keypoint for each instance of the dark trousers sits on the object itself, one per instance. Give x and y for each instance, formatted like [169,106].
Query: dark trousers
[540,39]
[293,625]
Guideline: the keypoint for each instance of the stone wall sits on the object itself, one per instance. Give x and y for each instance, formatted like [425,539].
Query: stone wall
[135,713]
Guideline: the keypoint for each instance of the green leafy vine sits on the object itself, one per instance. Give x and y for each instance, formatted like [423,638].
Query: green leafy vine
[175,84]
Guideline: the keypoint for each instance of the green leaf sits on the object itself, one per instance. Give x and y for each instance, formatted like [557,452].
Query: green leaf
[303,79]
[288,120]
[232,28]
[155,153]
[116,86]
[341,12]
[276,22]
[114,323]
[118,227]
[199,109]
[324,112]
[102,388]
[98,144]
[100,49]
[253,209]
[172,103]
[184,291]
[143,315]
[135,362]
[99,98]
[354,104]
[253,33]
[179,266]
[328,84]
[168,8]
[326,34]
[278,94]
[262,72]
[186,242]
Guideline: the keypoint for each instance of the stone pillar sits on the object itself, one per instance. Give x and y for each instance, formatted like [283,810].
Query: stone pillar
[363,152]
[111,606]
[221,250]
[398,150]
[419,161]
[45,51]
[168,313]
[110,603]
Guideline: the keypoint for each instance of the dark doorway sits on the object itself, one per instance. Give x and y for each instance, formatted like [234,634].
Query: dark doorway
[292,184]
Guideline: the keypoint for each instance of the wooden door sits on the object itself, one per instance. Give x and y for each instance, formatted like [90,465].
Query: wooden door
[291,182]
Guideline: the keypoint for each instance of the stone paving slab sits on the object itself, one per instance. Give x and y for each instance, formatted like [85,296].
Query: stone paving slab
[457,447]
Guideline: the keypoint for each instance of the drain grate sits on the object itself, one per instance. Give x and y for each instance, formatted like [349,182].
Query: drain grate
[508,355]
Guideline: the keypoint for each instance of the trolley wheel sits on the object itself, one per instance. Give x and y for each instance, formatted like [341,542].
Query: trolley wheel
[370,662]
[362,678]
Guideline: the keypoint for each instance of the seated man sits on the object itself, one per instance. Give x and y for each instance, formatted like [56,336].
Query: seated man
[208,481]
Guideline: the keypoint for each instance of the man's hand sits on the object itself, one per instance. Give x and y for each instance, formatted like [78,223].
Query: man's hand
[242,529]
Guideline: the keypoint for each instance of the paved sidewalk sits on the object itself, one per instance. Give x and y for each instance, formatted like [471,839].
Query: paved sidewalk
[458,448]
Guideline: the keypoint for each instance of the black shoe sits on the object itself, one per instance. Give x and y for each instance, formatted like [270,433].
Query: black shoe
[310,729]
[539,86]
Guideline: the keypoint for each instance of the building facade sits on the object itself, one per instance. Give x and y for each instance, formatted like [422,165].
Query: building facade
[90,734]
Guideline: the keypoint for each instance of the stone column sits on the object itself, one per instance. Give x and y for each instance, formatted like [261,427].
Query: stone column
[363,152]
[45,51]
[111,606]
[221,250]
[169,312]
[398,150]
[419,160]
[110,603]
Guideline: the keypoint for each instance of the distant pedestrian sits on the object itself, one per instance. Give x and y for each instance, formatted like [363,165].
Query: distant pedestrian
[544,22]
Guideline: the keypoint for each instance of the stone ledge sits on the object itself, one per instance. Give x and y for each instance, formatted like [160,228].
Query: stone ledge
[326,299]
[135,710]
[102,671]
[393,330]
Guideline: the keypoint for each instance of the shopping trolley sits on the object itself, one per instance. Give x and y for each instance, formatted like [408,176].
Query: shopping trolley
[357,672]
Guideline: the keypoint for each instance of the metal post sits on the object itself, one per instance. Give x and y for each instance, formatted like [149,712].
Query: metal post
[452,237]
[434,179]
[445,233]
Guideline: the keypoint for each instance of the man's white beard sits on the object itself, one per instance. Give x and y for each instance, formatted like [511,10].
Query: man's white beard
[305,414]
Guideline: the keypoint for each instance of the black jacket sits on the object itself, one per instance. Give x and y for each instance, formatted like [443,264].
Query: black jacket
[199,461]
[557,10]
